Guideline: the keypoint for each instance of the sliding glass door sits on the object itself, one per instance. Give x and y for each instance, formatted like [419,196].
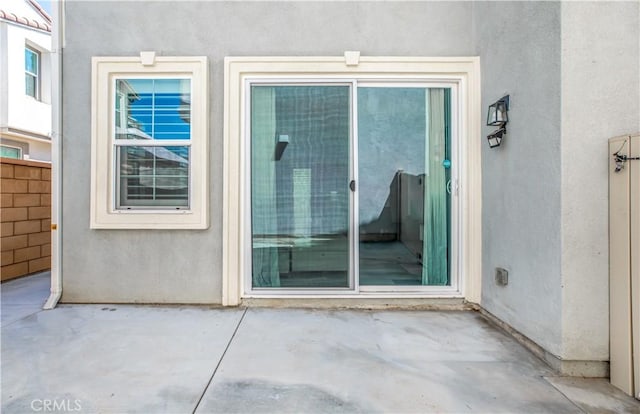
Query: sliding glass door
[300,162]
[404,175]
[351,186]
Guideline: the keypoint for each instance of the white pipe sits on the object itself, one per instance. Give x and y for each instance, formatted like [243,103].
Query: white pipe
[56,153]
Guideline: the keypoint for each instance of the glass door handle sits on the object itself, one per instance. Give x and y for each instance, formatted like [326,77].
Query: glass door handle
[452,185]
[352,185]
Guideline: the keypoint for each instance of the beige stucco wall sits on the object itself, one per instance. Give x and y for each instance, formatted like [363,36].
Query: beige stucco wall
[600,100]
[571,70]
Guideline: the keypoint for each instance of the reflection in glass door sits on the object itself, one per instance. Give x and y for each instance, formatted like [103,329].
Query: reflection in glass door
[404,163]
[300,160]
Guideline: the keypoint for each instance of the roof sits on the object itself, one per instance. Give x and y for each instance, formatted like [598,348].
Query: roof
[44,21]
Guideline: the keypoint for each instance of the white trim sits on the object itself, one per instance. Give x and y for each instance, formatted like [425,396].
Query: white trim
[25,135]
[465,71]
[104,214]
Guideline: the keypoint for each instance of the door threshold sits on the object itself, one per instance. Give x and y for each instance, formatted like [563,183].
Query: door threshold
[453,304]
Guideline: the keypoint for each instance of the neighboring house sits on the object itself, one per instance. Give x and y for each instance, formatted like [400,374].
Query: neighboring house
[251,159]
[25,81]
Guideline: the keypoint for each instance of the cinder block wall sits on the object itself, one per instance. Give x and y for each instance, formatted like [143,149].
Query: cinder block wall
[25,217]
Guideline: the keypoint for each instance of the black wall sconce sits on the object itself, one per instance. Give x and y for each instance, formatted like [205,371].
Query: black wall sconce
[498,115]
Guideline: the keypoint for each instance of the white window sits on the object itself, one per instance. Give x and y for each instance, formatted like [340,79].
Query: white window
[150,136]
[32,72]
[284,113]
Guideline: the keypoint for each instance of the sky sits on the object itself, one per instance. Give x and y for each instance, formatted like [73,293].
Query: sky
[46,4]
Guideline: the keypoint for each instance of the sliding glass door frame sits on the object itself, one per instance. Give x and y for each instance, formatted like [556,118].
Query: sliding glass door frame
[354,289]
[454,287]
[249,290]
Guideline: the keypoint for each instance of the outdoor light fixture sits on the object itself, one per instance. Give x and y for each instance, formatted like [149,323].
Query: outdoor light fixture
[498,116]
[495,138]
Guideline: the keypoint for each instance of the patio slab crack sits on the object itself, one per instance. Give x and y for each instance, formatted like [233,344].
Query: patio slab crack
[215,370]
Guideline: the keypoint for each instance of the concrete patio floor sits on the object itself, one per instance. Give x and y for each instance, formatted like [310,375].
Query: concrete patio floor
[153,359]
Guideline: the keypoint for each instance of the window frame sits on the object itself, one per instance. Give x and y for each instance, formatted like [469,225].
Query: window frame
[105,213]
[119,143]
[36,75]
[464,71]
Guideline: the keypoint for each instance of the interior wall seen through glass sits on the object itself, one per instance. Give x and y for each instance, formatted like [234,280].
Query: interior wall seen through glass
[155,176]
[300,137]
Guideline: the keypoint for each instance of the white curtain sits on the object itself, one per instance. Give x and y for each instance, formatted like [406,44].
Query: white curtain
[434,270]
[264,211]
